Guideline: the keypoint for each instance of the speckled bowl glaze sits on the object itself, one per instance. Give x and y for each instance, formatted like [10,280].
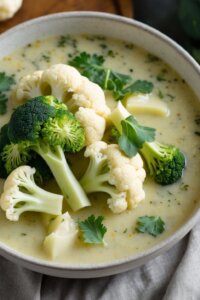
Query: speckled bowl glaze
[130,31]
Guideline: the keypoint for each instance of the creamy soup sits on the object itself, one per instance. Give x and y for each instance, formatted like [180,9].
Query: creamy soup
[173,203]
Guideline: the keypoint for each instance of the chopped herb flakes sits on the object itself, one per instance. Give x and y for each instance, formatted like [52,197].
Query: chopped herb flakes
[152,225]
[151,58]
[161,75]
[46,57]
[184,187]
[66,40]
[93,230]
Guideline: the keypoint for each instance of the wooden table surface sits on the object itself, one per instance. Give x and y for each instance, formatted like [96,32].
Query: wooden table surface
[35,8]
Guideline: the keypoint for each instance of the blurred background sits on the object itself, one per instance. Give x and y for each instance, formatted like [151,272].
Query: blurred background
[180,19]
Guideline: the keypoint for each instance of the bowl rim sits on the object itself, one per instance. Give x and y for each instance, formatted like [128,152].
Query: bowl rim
[10,252]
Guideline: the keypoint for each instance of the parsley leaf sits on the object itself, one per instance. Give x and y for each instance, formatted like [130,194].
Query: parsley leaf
[91,66]
[93,230]
[5,84]
[151,225]
[139,86]
[134,136]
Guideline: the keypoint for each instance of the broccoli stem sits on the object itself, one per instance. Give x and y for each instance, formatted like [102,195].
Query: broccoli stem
[119,114]
[153,152]
[70,187]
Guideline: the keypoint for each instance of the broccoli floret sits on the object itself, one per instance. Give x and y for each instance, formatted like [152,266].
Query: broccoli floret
[165,162]
[47,128]
[27,119]
[64,130]
[21,194]
[14,155]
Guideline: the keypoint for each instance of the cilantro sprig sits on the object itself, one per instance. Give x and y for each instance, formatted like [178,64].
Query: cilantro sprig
[93,230]
[5,84]
[92,66]
[134,136]
[152,225]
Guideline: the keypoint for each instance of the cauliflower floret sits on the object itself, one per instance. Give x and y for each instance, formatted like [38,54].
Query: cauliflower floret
[90,95]
[60,80]
[68,85]
[62,235]
[119,204]
[21,194]
[127,174]
[8,8]
[94,124]
[28,87]
[110,171]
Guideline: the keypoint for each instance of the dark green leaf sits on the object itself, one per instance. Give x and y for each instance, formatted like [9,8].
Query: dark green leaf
[92,67]
[139,86]
[5,82]
[134,136]
[152,225]
[93,230]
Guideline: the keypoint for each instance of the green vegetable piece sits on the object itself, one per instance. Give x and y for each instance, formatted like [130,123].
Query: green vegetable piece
[5,84]
[165,162]
[138,87]
[93,230]
[134,136]
[152,225]
[91,66]
[29,118]
[44,126]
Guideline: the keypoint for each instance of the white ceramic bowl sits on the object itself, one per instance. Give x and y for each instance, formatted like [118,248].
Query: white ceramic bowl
[130,31]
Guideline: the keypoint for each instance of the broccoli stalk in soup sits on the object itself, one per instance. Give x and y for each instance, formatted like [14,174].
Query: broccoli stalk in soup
[45,126]
[165,162]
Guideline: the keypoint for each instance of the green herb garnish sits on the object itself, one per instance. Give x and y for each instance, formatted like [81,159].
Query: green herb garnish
[66,40]
[91,66]
[5,84]
[152,225]
[134,136]
[93,230]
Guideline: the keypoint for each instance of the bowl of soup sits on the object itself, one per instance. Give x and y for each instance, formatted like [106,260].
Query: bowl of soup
[167,100]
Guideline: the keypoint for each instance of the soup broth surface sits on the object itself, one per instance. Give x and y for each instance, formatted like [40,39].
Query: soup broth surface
[174,203]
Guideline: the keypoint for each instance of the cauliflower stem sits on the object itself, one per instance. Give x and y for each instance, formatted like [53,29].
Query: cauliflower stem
[96,177]
[21,194]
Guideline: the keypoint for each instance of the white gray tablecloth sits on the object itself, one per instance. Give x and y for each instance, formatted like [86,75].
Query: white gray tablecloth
[175,275]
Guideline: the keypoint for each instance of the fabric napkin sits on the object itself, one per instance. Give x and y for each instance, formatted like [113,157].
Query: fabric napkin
[174,275]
